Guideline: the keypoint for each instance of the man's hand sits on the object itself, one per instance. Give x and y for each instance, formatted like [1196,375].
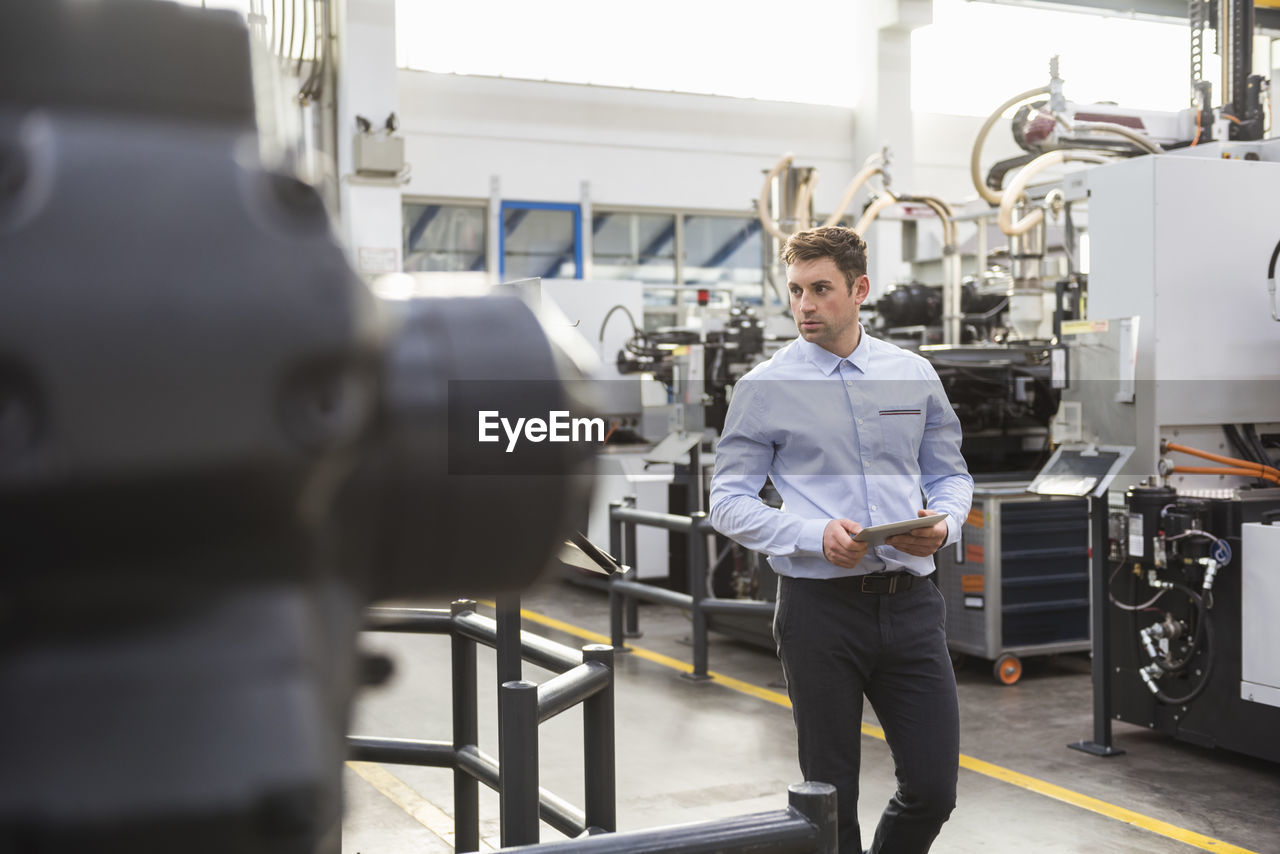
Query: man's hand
[838,545]
[921,542]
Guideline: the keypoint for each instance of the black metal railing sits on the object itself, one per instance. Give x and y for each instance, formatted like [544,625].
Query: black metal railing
[807,826]
[625,592]
[584,677]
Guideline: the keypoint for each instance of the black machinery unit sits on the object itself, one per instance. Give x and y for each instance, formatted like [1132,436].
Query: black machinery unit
[1175,592]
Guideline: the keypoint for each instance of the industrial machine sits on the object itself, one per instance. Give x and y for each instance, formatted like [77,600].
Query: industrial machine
[1192,597]
[697,366]
[216,448]
[1136,373]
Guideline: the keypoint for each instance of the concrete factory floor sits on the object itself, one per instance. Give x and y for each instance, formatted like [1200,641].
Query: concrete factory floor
[691,751]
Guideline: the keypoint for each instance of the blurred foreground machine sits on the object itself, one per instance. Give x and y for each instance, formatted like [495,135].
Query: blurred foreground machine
[216,448]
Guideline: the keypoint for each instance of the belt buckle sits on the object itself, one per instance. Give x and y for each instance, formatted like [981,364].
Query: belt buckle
[881,583]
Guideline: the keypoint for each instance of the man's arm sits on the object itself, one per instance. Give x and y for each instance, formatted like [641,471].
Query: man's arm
[944,476]
[743,457]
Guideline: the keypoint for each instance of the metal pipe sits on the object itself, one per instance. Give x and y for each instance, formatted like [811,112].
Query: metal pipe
[766,193]
[400,751]
[649,593]
[615,534]
[560,814]
[1099,618]
[555,657]
[804,199]
[427,621]
[555,811]
[632,605]
[737,606]
[616,599]
[975,156]
[778,832]
[1019,186]
[510,663]
[881,202]
[479,629]
[873,165]
[653,520]
[697,557]
[817,803]
[479,765]
[466,734]
[951,278]
[599,761]
[1145,143]
[518,762]
[563,692]
[617,603]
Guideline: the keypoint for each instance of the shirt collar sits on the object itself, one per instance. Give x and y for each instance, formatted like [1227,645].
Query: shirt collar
[827,362]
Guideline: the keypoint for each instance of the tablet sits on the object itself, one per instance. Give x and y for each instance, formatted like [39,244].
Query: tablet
[877,534]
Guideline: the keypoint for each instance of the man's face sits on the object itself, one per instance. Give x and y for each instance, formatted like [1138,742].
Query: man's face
[825,311]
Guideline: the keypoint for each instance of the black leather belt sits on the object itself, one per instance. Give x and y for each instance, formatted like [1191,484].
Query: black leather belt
[885,582]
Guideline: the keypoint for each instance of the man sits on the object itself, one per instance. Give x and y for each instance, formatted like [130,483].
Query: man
[852,431]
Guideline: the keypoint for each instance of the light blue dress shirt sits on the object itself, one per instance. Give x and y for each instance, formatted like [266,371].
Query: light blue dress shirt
[867,438]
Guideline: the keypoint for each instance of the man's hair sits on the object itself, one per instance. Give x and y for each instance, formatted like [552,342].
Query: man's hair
[842,245]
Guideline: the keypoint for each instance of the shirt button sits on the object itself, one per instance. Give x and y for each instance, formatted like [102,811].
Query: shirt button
[859,420]
[875,506]
[848,382]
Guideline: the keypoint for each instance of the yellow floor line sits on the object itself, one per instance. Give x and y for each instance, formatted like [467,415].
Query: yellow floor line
[978,766]
[404,796]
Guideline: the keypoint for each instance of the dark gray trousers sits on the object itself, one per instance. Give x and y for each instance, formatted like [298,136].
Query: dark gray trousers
[837,645]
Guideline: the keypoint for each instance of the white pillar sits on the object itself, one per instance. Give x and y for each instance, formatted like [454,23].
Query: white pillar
[882,49]
[367,86]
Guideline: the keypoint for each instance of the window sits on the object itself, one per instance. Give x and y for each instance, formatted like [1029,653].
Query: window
[636,246]
[444,237]
[541,240]
[724,251]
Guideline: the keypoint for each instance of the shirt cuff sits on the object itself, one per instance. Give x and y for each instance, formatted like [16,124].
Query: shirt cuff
[810,539]
[953,531]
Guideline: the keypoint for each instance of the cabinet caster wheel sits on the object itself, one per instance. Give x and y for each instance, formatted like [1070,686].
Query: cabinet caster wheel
[1008,669]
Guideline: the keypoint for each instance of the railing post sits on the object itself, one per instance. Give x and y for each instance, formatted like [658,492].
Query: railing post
[697,551]
[507,619]
[617,601]
[466,732]
[599,771]
[615,535]
[518,762]
[817,802]
[633,605]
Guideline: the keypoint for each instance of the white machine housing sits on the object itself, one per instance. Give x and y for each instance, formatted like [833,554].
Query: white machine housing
[1180,243]
[1260,631]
